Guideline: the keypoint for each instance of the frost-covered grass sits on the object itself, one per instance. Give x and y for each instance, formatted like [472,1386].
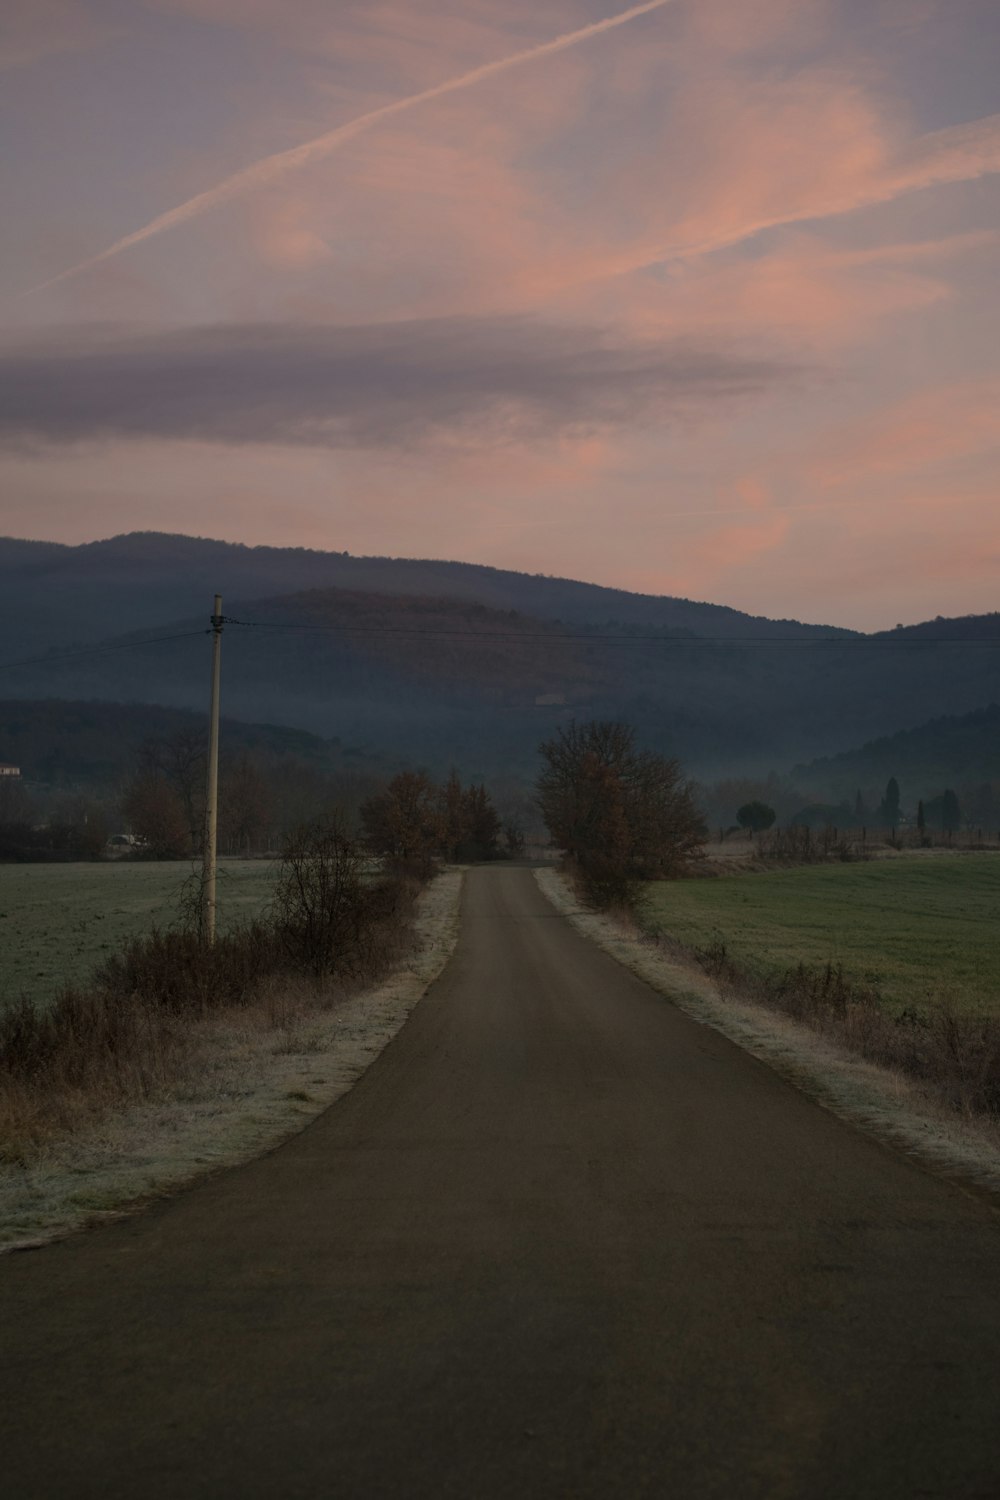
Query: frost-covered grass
[57,921]
[254,1076]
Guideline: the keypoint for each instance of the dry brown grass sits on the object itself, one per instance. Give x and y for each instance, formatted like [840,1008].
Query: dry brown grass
[248,1078]
[954,1055]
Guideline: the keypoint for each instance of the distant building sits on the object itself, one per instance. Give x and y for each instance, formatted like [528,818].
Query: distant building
[550,700]
[6,770]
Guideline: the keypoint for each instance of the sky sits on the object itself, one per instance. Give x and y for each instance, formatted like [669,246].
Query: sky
[691,297]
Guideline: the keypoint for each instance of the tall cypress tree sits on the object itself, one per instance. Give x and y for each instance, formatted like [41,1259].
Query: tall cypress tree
[890,803]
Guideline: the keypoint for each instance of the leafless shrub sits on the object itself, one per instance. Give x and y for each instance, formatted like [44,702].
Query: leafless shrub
[956,1056]
[800,845]
[178,973]
[328,916]
[134,1027]
[88,1053]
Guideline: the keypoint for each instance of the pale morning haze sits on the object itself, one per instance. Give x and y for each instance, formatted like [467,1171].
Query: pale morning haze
[696,297]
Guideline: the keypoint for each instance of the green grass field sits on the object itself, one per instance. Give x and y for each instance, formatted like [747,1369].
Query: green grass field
[57,921]
[922,930]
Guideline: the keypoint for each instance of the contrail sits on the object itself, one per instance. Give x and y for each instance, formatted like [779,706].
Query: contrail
[270,167]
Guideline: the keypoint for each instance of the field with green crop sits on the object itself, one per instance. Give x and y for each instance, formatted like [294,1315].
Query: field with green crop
[57,921]
[921,930]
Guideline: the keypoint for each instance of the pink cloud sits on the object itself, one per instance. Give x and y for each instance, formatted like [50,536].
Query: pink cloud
[906,557]
[283,233]
[457,193]
[736,152]
[758,152]
[804,290]
[703,563]
[261,174]
[930,551]
[618,187]
[938,425]
[710,163]
[709,564]
[857,173]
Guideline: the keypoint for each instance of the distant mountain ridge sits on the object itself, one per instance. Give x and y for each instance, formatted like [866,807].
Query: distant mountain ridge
[134,580]
[437,663]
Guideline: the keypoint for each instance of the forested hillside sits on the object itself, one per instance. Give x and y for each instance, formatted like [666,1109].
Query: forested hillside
[133,582]
[96,745]
[445,663]
[948,751]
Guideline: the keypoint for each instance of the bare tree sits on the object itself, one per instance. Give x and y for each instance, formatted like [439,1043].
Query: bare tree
[454,816]
[244,806]
[182,760]
[156,814]
[404,821]
[319,903]
[621,814]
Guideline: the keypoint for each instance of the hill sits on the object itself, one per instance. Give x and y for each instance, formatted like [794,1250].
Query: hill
[437,663]
[107,588]
[75,745]
[948,751]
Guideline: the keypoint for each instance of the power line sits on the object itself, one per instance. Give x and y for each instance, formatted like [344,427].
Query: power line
[53,660]
[663,640]
[512,635]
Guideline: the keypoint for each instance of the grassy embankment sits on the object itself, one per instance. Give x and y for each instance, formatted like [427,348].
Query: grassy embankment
[896,959]
[918,932]
[138,1025]
[57,921]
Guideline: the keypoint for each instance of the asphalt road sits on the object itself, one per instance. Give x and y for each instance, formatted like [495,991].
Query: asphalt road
[560,1240]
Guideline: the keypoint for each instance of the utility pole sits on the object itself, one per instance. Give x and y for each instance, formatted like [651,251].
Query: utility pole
[212,790]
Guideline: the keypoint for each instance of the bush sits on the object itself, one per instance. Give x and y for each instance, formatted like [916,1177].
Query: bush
[955,1056]
[801,845]
[326,918]
[319,903]
[404,822]
[123,1036]
[177,972]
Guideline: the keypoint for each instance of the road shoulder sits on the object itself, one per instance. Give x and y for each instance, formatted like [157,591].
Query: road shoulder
[254,1087]
[881,1102]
